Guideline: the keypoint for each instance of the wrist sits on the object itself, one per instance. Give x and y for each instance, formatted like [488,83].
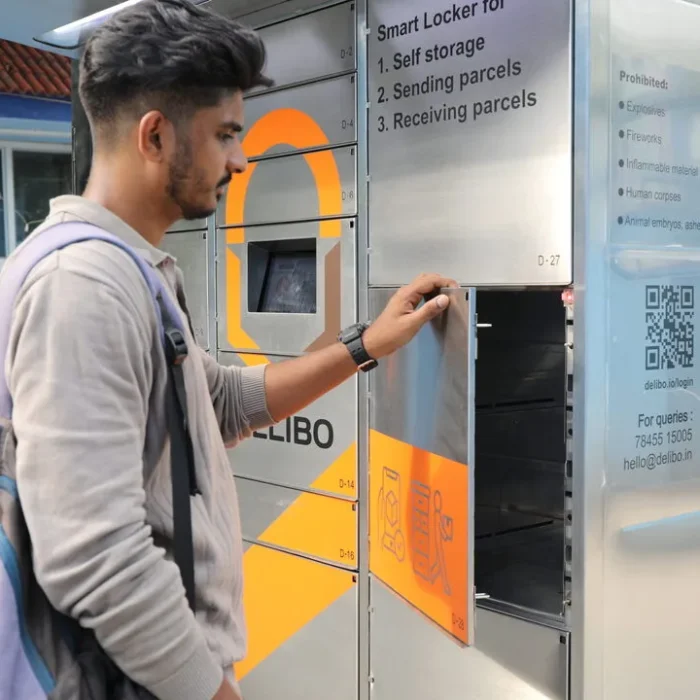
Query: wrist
[371,343]
[354,340]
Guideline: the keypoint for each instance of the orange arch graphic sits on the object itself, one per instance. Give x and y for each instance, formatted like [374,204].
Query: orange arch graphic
[298,130]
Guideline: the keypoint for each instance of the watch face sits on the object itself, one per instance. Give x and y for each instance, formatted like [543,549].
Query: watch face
[350,334]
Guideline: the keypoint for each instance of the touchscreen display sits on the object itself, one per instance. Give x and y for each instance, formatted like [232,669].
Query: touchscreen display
[290,283]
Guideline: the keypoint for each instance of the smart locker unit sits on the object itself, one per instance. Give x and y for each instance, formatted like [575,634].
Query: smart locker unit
[507,507]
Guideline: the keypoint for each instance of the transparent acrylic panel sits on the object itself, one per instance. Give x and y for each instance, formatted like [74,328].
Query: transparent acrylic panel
[652,469]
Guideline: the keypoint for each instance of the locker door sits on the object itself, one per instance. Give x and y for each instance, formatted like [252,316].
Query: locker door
[421,450]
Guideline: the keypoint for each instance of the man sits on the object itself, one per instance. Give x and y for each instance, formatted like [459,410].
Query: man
[162,85]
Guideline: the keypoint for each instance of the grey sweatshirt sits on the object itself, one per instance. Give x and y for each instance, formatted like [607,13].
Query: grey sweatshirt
[87,374]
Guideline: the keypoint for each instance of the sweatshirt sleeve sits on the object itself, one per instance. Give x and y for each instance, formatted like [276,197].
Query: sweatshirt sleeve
[80,371]
[238,396]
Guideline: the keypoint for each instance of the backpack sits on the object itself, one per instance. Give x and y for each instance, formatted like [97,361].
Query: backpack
[44,654]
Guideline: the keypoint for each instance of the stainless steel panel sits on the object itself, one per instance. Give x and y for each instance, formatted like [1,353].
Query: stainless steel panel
[183,225]
[190,251]
[363,313]
[512,659]
[633,603]
[316,449]
[652,537]
[310,116]
[470,141]
[654,373]
[293,188]
[248,11]
[652,471]
[268,11]
[317,526]
[421,465]
[312,46]
[423,394]
[212,272]
[590,295]
[287,333]
[655,164]
[303,621]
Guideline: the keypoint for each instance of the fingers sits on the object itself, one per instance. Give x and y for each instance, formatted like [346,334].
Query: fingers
[425,285]
[430,309]
[429,282]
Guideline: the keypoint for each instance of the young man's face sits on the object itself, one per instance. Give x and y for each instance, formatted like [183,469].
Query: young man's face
[206,158]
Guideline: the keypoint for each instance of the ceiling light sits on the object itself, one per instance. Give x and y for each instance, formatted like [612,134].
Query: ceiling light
[73,35]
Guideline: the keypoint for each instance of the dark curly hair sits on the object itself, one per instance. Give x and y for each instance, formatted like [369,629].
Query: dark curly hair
[169,55]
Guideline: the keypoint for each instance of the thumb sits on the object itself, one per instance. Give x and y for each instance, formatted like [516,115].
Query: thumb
[431,309]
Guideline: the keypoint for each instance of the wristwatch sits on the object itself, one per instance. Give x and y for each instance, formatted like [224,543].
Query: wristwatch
[351,337]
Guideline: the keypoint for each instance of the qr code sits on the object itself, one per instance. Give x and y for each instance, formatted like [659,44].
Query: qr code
[670,316]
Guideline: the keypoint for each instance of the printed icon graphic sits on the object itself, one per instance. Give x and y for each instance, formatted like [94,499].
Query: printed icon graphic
[389,509]
[431,529]
[419,531]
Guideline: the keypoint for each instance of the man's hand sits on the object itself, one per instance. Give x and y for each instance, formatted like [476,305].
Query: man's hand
[293,384]
[400,321]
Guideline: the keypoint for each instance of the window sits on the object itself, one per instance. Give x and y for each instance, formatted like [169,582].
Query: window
[38,177]
[31,174]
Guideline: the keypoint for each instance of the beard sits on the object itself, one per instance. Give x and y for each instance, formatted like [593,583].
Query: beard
[184,182]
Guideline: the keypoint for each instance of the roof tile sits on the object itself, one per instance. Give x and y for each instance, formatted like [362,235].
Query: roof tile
[25,70]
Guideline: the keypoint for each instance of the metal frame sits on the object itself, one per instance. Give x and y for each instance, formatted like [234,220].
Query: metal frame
[212,281]
[8,194]
[270,16]
[7,150]
[591,146]
[362,305]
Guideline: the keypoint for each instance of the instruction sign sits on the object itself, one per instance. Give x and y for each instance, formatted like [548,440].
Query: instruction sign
[470,140]
[654,423]
[654,369]
[655,170]
[419,518]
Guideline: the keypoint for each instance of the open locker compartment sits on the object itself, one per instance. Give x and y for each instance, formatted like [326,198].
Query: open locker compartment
[521,449]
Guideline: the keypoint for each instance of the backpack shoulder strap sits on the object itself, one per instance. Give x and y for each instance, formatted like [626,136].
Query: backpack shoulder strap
[35,249]
[13,276]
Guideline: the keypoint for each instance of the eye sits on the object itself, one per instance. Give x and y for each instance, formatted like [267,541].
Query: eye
[227,137]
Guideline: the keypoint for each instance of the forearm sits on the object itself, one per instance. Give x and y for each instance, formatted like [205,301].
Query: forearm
[290,386]
[294,384]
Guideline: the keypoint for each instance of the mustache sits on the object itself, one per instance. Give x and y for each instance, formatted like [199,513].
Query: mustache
[224,181]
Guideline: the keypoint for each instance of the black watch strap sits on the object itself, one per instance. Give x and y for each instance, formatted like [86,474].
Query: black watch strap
[352,338]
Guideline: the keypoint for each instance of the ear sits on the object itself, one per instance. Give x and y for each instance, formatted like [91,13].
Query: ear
[155,136]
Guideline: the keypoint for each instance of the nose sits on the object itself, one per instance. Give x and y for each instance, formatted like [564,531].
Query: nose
[237,161]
